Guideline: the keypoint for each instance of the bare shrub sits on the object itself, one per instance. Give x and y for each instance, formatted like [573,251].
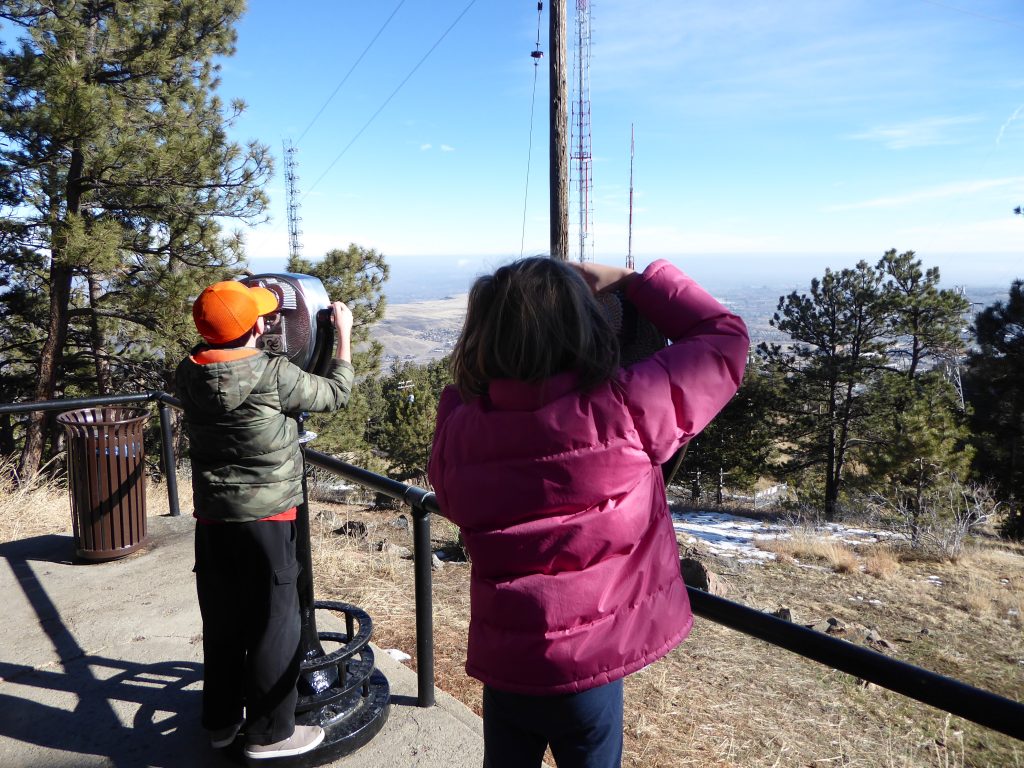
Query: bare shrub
[938,521]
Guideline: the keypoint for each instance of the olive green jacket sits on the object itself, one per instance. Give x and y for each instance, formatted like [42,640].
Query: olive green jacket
[246,462]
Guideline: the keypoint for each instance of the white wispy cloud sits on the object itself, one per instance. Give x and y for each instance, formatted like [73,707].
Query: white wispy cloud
[1008,123]
[447,148]
[928,132]
[940,192]
[425,147]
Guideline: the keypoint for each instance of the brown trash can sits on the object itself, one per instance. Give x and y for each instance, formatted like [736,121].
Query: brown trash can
[106,480]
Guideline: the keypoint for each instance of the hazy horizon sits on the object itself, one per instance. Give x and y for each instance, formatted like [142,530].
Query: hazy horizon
[424,278]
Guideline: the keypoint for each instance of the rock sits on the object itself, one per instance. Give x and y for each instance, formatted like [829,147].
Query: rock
[327,518]
[696,575]
[782,613]
[835,626]
[435,562]
[383,501]
[351,528]
[695,551]
[394,549]
[874,638]
[717,585]
[830,626]
[401,522]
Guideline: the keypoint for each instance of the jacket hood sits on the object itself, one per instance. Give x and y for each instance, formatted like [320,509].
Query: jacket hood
[219,387]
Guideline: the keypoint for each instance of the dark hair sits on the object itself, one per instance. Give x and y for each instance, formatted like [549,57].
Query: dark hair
[532,319]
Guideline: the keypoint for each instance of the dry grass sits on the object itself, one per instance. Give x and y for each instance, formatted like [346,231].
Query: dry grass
[881,562]
[721,699]
[33,509]
[806,546]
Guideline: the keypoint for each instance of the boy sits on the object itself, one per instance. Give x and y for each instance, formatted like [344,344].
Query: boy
[246,482]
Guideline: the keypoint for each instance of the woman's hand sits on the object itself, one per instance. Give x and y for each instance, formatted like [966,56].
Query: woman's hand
[603,277]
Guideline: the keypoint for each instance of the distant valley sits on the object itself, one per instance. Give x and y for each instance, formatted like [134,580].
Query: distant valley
[423,330]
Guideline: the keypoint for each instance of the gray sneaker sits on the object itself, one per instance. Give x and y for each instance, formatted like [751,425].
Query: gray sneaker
[304,739]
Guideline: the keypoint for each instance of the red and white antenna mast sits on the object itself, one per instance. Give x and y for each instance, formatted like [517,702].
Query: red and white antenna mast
[629,249]
[581,150]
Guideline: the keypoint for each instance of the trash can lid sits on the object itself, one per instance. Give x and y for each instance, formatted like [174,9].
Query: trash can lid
[105,415]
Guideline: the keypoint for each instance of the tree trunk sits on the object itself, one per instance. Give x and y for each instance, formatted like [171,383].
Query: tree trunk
[52,353]
[99,357]
[49,365]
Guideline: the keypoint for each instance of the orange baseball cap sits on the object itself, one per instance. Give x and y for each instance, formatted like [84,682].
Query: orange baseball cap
[228,310]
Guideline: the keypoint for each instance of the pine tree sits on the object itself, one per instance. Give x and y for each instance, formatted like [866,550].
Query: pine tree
[738,445]
[995,389]
[838,332]
[404,430]
[116,172]
[918,435]
[356,276]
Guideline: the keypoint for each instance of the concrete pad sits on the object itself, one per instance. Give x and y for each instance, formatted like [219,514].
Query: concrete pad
[101,665]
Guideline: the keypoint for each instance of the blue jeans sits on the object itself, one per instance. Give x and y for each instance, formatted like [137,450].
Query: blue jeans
[584,729]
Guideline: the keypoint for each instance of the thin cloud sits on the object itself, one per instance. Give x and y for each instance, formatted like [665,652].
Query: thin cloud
[1008,123]
[934,193]
[447,148]
[425,147]
[930,132]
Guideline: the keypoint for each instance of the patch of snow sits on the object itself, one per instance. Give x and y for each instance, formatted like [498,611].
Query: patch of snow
[397,655]
[733,536]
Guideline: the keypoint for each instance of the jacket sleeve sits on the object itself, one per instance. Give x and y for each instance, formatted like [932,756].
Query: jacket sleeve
[675,393]
[449,401]
[301,391]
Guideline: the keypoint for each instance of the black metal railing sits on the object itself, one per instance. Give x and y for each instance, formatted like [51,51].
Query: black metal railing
[422,503]
[163,400]
[948,694]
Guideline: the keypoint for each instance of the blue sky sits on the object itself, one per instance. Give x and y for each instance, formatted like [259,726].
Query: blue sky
[763,129]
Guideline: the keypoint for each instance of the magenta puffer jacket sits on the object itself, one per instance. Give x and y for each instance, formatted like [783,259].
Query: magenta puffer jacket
[559,494]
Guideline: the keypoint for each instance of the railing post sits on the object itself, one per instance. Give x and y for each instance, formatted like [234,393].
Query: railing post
[170,462]
[422,560]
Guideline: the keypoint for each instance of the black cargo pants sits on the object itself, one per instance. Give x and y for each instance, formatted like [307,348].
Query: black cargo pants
[246,581]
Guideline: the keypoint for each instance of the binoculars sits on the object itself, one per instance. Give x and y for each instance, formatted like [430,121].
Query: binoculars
[301,329]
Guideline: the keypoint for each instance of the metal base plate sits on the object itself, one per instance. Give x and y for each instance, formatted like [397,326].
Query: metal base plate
[348,725]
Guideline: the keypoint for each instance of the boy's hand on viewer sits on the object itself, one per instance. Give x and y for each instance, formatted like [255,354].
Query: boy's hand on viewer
[341,316]
[603,277]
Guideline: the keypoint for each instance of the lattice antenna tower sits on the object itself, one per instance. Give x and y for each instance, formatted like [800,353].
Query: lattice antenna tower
[629,248]
[580,140]
[291,181]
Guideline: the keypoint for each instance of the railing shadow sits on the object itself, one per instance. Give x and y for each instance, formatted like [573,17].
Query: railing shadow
[124,713]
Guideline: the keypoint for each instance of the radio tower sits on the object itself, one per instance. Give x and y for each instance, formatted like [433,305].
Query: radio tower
[291,180]
[629,249]
[581,154]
